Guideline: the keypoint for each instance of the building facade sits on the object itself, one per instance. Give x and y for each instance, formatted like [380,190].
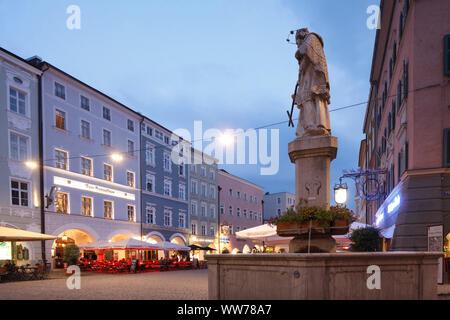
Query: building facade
[203,200]
[407,123]
[164,187]
[275,204]
[20,203]
[240,208]
[91,163]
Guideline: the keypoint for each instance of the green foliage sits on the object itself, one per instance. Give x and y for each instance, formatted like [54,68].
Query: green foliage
[71,254]
[303,214]
[365,239]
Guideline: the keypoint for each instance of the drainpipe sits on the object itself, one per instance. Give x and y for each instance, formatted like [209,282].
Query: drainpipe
[44,68]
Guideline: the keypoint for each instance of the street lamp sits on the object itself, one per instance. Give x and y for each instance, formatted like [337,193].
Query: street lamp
[117,157]
[340,193]
[31,164]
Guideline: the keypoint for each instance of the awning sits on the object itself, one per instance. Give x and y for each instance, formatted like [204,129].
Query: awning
[133,244]
[11,234]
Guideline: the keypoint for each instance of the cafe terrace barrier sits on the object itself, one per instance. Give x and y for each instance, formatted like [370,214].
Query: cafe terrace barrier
[323,276]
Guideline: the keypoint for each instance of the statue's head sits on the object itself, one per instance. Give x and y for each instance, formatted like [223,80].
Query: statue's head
[301,34]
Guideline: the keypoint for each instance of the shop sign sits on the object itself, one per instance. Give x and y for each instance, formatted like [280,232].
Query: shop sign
[92,188]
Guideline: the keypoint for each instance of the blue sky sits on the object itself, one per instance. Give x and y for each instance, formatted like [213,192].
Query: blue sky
[223,62]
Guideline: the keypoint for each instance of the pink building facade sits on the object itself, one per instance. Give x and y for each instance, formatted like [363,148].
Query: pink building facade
[407,123]
[240,208]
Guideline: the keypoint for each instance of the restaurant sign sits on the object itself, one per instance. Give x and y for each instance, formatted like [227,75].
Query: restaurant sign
[92,187]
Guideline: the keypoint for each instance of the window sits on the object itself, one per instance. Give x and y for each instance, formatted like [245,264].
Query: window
[62,202]
[204,189]
[251,215]
[130,148]
[230,192]
[166,163]
[230,210]
[149,131]
[194,208]
[203,210]
[130,211]
[167,217]
[193,168]
[167,187]
[238,194]
[245,213]
[446,151]
[405,80]
[85,129]
[130,125]
[251,198]
[166,140]
[231,229]
[86,166]
[159,135]
[447,55]
[18,146]
[212,211]
[19,193]
[212,231]
[181,169]
[203,171]
[130,179]
[86,206]
[203,230]
[60,91]
[107,172]
[278,200]
[181,220]
[194,228]
[182,192]
[61,159]
[212,192]
[150,182]
[106,114]
[150,154]
[222,210]
[212,175]
[107,138]
[84,103]
[194,187]
[150,215]
[245,196]
[17,101]
[279,212]
[108,209]
[60,119]
[238,212]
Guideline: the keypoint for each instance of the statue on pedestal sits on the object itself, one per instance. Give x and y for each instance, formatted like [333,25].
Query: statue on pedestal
[313,94]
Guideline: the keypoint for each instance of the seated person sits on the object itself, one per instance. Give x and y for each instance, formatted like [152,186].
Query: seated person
[9,266]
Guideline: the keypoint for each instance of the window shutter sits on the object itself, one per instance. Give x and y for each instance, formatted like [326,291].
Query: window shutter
[405,79]
[446,151]
[389,124]
[447,55]
[400,28]
[399,94]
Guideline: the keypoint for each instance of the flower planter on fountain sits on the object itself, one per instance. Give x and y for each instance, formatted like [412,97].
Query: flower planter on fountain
[292,229]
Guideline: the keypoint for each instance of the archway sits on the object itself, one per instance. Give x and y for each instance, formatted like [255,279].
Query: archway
[178,238]
[155,237]
[119,236]
[69,236]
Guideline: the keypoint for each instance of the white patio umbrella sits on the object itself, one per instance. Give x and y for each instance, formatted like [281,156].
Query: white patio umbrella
[166,245]
[265,232]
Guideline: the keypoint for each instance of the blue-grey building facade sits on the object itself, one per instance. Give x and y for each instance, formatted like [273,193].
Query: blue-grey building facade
[164,187]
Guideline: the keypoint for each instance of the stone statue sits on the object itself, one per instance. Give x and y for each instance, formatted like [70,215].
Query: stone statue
[313,92]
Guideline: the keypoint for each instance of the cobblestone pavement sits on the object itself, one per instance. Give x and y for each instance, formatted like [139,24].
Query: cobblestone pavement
[179,285]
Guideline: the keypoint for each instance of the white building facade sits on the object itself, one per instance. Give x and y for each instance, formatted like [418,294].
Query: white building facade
[275,204]
[91,161]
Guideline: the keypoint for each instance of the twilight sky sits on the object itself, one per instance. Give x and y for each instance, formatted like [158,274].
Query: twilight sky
[225,62]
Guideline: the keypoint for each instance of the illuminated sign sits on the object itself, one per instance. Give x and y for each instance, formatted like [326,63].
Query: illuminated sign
[394,204]
[5,250]
[224,239]
[92,188]
[380,218]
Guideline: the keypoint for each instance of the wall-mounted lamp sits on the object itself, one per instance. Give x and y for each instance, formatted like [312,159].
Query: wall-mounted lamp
[340,193]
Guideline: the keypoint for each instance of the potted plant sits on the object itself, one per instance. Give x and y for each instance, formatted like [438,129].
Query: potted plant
[301,220]
[342,218]
[70,255]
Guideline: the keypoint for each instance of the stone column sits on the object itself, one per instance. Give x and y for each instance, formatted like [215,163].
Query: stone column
[312,157]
